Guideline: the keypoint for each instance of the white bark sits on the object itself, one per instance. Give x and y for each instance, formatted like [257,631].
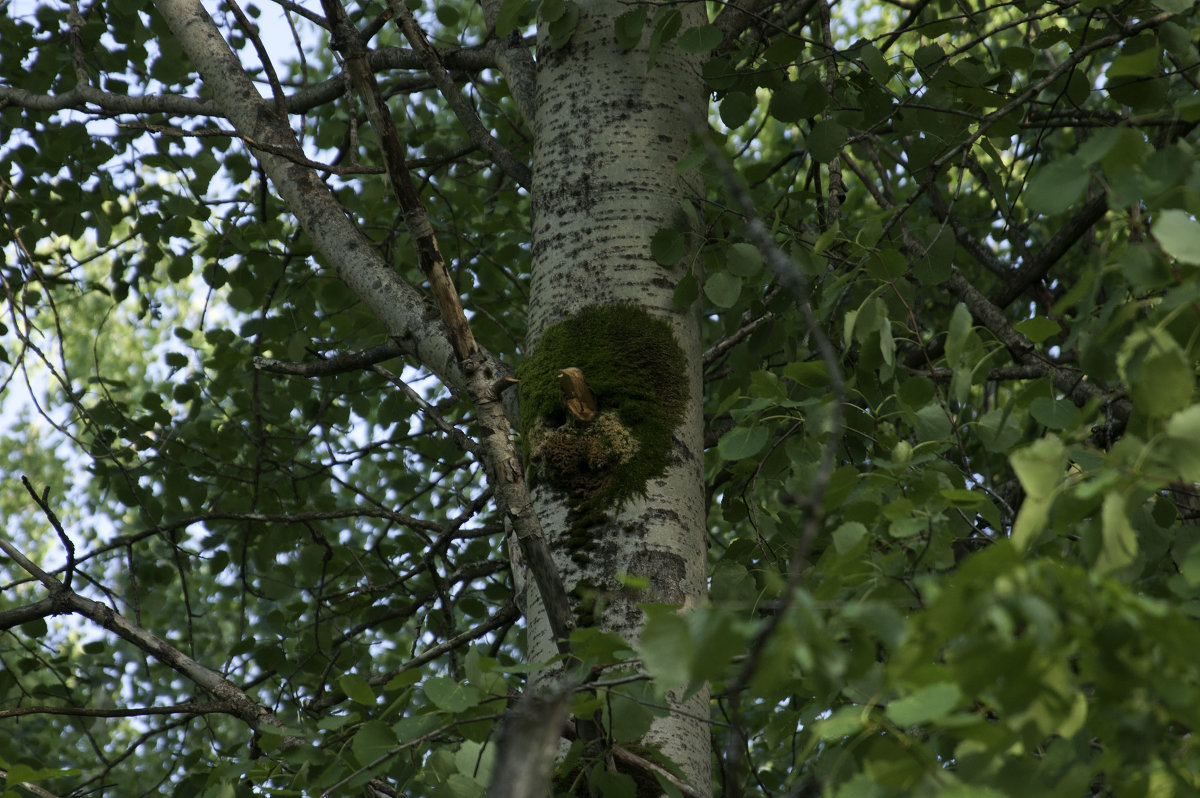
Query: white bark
[607,138]
[399,306]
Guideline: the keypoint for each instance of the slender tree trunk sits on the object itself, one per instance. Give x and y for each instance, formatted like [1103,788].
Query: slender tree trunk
[608,136]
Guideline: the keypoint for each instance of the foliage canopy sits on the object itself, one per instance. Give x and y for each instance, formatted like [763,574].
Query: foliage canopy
[954,427]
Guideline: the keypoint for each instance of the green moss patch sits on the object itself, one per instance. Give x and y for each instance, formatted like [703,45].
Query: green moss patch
[636,370]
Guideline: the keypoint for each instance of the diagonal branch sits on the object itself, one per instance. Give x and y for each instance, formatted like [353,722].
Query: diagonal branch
[515,62]
[1074,384]
[339,363]
[445,346]
[398,305]
[1037,267]
[462,109]
[480,378]
[65,600]
[191,708]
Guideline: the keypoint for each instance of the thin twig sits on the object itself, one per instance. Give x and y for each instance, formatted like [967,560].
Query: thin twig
[792,278]
[43,502]
[466,115]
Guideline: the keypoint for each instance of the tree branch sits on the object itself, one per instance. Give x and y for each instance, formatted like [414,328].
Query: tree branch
[193,708]
[399,306]
[462,110]
[339,363]
[1073,384]
[480,377]
[239,704]
[1062,240]
[43,503]
[529,742]
[29,612]
[515,62]
[84,95]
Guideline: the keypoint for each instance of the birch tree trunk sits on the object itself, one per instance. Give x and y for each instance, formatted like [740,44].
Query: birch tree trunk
[608,136]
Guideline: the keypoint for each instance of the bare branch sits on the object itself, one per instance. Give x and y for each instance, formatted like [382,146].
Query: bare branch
[240,705]
[29,612]
[338,363]
[1073,383]
[515,62]
[42,502]
[462,110]
[194,708]
[355,169]
[458,436]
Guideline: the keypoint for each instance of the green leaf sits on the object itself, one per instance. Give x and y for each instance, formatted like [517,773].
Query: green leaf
[742,442]
[372,741]
[787,102]
[1183,429]
[736,107]
[701,39]
[958,497]
[1158,372]
[847,536]
[668,247]
[908,526]
[928,703]
[1038,329]
[509,16]
[844,722]
[960,328]
[934,267]
[1057,187]
[403,679]
[667,22]
[733,583]
[1057,414]
[611,784]
[796,100]
[179,269]
[474,761]
[932,423]
[357,689]
[628,27]
[563,27]
[450,695]
[687,291]
[723,289]
[826,140]
[743,259]
[1119,541]
[1139,58]
[880,70]
[1040,468]
[1178,234]
[666,646]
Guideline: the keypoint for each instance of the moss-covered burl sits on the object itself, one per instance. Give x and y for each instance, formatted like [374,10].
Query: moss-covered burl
[636,370]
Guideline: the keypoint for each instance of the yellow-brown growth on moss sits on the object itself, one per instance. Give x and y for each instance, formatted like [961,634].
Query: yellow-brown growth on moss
[636,371]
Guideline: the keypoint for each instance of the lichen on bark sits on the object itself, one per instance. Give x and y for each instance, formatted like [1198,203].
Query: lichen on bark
[636,369]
